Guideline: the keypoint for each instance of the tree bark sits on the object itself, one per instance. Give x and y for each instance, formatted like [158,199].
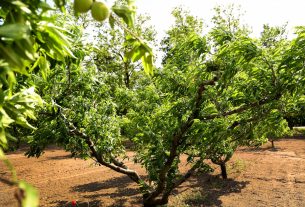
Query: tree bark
[154,203]
[148,202]
[223,171]
[272,143]
[223,167]
[243,107]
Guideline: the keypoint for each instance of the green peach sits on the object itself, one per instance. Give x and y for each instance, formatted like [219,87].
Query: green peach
[99,11]
[82,6]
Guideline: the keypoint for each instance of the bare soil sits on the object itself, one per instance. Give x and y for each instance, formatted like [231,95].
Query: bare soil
[257,177]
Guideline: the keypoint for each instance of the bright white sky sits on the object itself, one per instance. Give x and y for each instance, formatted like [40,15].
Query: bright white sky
[257,12]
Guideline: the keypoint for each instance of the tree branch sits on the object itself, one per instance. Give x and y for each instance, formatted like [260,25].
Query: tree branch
[177,138]
[237,123]
[188,174]
[241,108]
[116,166]
[126,29]
[272,70]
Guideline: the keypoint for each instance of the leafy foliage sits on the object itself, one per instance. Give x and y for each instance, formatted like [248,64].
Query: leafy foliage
[28,39]
[33,40]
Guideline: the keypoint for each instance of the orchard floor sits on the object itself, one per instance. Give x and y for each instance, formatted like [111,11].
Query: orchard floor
[258,177]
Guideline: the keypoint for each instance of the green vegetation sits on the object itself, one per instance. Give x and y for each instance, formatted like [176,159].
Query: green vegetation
[190,198]
[299,130]
[214,92]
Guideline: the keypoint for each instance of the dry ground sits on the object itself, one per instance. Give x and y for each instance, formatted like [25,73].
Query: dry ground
[258,177]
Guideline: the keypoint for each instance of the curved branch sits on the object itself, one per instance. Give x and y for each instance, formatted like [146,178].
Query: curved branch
[241,108]
[116,166]
[177,139]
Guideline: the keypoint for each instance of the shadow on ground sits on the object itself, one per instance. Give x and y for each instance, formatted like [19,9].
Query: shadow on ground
[120,184]
[260,149]
[209,188]
[118,190]
[61,157]
[93,203]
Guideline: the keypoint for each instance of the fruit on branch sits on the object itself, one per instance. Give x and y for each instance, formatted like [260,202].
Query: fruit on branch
[82,6]
[99,11]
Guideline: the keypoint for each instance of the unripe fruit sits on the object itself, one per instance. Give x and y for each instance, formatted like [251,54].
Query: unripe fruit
[82,6]
[99,11]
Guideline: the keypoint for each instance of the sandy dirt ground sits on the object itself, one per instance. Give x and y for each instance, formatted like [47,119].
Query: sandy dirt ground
[257,177]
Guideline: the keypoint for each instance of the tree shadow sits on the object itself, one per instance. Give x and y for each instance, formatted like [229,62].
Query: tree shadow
[117,182]
[61,157]
[118,189]
[93,203]
[209,189]
[260,149]
[122,192]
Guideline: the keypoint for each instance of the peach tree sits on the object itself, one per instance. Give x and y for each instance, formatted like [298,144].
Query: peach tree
[213,93]
[33,43]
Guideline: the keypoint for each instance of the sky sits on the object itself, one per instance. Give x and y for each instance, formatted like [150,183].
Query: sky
[256,12]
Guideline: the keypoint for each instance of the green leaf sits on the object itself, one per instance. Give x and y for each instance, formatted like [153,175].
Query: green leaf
[23,122]
[58,42]
[31,198]
[14,31]
[3,140]
[147,61]
[44,6]
[44,67]
[147,48]
[22,6]
[135,47]
[22,50]
[5,119]
[11,80]
[131,2]
[111,21]
[126,13]
[138,54]
[60,4]
[8,164]
[2,155]
[13,59]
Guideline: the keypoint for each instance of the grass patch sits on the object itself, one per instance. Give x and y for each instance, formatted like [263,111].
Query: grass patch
[189,198]
[237,167]
[299,130]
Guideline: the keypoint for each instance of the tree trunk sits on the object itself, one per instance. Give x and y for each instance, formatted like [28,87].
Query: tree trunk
[18,142]
[223,171]
[272,143]
[154,202]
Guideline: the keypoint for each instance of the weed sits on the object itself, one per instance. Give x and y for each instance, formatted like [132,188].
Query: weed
[237,167]
[190,198]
